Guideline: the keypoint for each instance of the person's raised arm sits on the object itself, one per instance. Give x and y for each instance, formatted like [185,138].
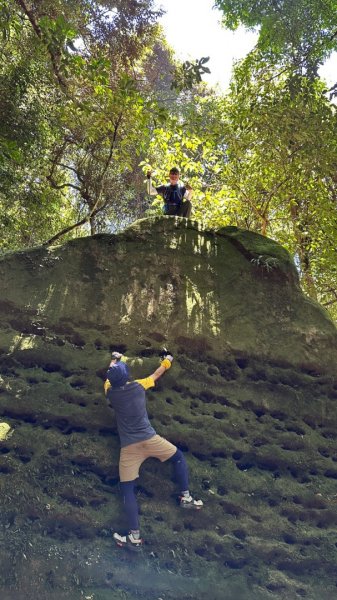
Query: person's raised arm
[189,192]
[151,190]
[164,366]
[150,381]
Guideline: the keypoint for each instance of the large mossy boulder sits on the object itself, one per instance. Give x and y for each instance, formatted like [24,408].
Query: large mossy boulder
[250,400]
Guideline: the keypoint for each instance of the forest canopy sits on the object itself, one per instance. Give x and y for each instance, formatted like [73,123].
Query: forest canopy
[92,96]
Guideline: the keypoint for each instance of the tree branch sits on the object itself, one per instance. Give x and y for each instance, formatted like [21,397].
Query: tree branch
[65,185]
[334,293]
[330,302]
[57,157]
[63,232]
[257,213]
[108,161]
[71,169]
[39,33]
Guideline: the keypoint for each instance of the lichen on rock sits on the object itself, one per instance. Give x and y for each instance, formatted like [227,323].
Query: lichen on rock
[5,431]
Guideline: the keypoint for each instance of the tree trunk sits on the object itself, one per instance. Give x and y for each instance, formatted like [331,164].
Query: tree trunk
[264,225]
[92,226]
[303,252]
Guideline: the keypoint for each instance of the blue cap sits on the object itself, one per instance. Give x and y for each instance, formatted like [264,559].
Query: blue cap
[118,374]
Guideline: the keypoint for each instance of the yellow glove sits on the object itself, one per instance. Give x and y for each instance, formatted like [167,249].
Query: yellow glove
[166,363]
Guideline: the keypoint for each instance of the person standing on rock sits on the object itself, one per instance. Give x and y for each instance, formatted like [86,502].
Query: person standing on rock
[139,441]
[177,197]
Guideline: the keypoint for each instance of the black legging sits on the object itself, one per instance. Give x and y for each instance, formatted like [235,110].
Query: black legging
[183,210]
[128,489]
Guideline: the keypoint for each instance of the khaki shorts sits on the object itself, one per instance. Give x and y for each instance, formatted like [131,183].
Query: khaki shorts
[133,456]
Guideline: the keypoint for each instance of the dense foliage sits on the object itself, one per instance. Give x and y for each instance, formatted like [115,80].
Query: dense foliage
[91,97]
[71,85]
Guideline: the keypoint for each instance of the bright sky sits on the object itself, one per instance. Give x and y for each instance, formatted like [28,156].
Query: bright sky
[193,29]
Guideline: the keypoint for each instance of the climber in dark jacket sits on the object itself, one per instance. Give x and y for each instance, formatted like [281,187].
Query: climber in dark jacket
[177,198]
[139,441]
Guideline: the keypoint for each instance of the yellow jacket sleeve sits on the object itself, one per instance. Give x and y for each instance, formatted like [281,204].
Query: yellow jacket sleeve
[146,383]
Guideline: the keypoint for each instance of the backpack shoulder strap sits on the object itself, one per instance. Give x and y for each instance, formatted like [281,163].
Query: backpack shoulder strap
[182,191]
[167,192]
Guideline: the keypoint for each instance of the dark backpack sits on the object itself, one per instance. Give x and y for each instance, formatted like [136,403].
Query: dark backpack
[173,195]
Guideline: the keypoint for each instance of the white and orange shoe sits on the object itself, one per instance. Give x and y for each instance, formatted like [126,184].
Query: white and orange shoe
[128,541]
[189,503]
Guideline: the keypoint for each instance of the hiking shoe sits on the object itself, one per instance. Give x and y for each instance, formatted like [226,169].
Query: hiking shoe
[190,503]
[128,541]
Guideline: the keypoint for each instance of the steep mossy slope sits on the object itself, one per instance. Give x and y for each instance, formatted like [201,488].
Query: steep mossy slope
[251,400]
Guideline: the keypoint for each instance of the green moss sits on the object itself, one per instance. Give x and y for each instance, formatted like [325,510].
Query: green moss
[250,399]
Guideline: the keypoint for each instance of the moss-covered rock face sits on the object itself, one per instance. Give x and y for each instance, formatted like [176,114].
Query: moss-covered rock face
[250,400]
